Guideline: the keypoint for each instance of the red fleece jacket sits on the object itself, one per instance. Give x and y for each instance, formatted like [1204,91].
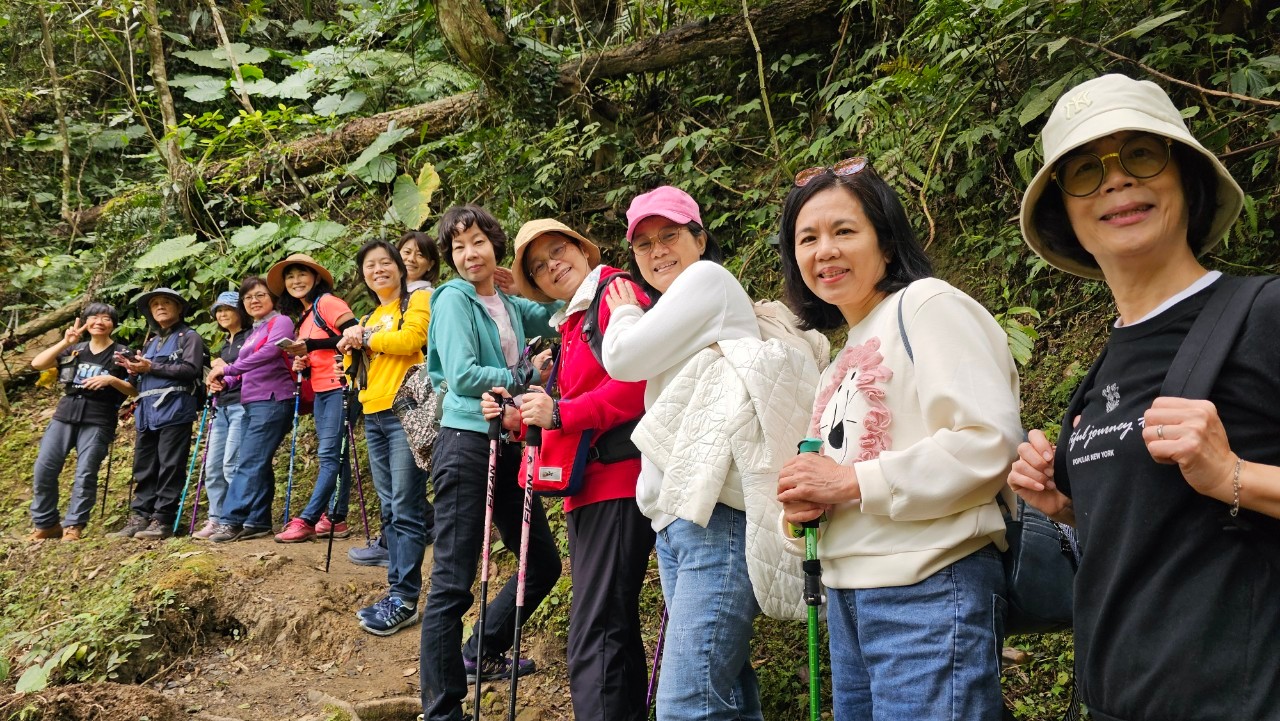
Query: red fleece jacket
[590,399]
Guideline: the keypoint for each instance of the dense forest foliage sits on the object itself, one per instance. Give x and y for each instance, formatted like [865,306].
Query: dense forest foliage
[189,143]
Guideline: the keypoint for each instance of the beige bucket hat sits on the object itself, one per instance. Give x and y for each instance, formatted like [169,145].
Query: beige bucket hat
[275,276]
[530,232]
[1097,108]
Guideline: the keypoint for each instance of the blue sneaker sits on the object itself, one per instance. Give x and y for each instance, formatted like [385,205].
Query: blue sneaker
[393,616]
[371,610]
[372,554]
[496,668]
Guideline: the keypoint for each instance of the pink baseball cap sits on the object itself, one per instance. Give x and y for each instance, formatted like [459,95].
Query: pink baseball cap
[668,202]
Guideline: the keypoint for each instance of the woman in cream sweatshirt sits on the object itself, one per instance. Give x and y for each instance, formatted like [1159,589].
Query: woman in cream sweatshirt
[918,417]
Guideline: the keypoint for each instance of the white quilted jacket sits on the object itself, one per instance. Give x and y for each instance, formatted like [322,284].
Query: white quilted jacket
[737,412]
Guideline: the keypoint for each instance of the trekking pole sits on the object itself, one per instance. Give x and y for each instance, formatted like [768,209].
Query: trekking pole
[495,433]
[812,593]
[293,444]
[355,468]
[195,505]
[657,660]
[533,440]
[343,455]
[191,467]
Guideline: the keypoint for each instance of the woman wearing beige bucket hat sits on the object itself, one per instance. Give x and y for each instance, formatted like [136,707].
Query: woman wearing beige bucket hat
[1175,499]
[609,538]
[305,289]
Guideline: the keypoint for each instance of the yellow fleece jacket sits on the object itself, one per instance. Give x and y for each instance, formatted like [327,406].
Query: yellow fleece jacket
[393,351]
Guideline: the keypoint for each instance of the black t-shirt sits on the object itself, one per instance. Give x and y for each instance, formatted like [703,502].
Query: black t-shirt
[79,405]
[1177,610]
[230,351]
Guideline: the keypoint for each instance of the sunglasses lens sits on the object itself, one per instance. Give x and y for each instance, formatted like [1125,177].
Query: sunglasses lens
[849,166]
[1080,175]
[1144,156]
[804,176]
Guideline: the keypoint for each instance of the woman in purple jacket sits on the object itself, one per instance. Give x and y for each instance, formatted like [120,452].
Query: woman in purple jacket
[264,376]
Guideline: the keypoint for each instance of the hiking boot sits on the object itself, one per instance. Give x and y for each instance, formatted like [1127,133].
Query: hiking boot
[248,533]
[394,615]
[373,554]
[225,532]
[209,527]
[72,533]
[496,668]
[54,531]
[135,523]
[296,531]
[340,529]
[371,611]
[157,531]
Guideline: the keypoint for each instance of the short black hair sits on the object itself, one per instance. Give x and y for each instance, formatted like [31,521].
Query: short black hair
[423,243]
[99,309]
[248,284]
[368,248]
[907,261]
[710,251]
[467,216]
[290,306]
[1199,189]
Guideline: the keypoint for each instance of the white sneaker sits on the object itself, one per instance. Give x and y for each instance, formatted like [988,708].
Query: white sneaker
[204,533]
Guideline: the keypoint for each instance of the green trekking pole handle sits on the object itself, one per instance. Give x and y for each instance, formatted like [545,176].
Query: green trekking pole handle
[812,594]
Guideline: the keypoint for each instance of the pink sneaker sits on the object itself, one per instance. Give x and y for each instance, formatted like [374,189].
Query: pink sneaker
[296,531]
[340,529]
[208,529]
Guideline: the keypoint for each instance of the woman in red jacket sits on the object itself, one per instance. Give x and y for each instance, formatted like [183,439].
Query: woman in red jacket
[609,539]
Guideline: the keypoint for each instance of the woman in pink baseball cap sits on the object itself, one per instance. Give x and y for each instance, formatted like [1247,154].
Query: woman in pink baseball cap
[707,671]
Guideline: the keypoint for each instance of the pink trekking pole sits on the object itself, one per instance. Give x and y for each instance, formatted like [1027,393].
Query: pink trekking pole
[533,440]
[657,661]
[495,433]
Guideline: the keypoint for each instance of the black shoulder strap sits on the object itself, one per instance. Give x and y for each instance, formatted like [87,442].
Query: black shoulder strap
[319,319]
[404,308]
[1212,338]
[590,323]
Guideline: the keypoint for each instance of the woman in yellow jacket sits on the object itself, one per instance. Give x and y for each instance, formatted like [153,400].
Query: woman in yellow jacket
[392,337]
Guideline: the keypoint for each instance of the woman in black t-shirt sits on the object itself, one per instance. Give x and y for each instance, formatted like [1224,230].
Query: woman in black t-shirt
[1175,500]
[85,420]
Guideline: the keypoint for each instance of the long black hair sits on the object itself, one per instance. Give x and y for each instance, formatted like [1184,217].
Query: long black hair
[290,306]
[710,251]
[906,259]
[395,257]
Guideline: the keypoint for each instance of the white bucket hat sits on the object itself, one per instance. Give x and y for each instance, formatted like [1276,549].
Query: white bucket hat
[1100,107]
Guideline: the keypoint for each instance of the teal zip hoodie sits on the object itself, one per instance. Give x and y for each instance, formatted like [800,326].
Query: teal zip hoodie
[464,354]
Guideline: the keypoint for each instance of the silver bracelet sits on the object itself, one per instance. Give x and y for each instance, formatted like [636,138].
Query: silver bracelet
[1235,488]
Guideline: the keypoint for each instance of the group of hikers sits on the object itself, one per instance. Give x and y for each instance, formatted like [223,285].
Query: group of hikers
[672,411]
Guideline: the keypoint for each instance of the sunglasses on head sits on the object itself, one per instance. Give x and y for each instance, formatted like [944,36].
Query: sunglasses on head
[848,166]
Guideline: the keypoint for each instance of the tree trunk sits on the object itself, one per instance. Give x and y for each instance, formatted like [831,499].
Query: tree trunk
[784,23]
[51,64]
[159,74]
[475,37]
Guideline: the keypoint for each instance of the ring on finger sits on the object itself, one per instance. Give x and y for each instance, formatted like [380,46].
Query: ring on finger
[1160,431]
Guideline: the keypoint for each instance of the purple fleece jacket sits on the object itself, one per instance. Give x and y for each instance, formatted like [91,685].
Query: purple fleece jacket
[263,370]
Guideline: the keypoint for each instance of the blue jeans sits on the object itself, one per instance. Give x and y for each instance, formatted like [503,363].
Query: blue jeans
[460,468]
[224,456]
[91,443]
[334,466]
[248,501]
[706,665]
[928,651]
[402,489]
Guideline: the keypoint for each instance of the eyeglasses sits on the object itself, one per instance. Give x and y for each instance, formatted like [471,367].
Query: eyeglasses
[256,297]
[556,253]
[1141,156]
[668,236]
[848,166]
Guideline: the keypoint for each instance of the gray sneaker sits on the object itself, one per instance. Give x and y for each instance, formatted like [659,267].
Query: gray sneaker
[372,554]
[131,528]
[157,531]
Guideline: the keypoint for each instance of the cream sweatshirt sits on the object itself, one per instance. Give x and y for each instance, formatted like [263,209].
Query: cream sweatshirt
[704,305]
[931,441]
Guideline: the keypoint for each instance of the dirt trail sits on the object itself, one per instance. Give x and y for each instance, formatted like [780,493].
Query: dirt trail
[293,645]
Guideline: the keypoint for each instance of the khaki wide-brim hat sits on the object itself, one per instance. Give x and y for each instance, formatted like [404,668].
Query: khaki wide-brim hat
[144,302]
[275,276]
[1097,108]
[530,232]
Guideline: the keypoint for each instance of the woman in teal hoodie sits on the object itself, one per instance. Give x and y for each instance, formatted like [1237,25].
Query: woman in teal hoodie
[473,344]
